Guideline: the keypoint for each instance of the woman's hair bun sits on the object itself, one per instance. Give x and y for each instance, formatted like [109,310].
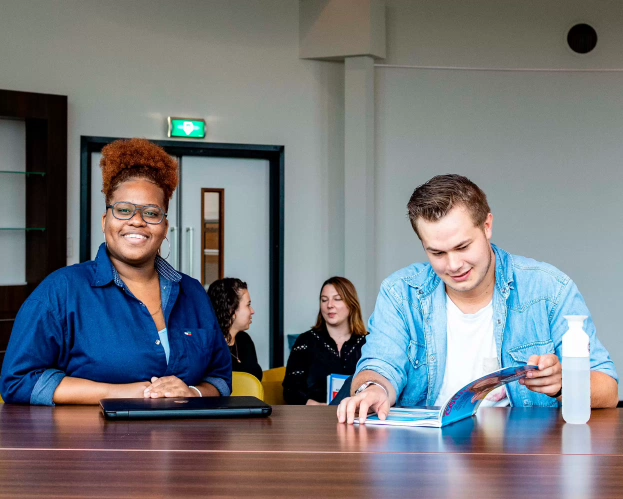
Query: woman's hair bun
[138,158]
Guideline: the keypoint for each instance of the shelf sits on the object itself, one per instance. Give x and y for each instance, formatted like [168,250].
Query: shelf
[33,197]
[42,174]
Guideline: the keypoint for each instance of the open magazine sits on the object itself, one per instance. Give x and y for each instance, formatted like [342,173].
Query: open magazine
[461,405]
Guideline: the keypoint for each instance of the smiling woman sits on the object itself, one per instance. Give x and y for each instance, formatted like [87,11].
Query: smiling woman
[332,346]
[126,325]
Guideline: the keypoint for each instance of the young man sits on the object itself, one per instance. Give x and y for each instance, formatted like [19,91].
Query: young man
[473,309]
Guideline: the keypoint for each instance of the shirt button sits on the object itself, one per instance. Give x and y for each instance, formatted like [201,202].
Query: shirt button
[157,342]
[417,362]
[432,358]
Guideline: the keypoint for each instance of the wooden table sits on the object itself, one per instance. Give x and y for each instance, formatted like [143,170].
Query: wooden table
[304,452]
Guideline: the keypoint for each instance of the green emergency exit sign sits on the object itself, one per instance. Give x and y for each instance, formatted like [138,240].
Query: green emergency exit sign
[187,127]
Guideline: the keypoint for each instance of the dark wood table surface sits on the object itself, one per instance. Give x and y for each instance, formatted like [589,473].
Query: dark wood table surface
[304,452]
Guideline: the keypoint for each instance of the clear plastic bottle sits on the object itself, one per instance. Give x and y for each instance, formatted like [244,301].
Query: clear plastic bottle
[576,372]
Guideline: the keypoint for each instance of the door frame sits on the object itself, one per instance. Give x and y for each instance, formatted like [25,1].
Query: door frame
[275,155]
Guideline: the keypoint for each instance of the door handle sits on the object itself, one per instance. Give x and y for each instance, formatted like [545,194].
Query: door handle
[175,260]
[190,233]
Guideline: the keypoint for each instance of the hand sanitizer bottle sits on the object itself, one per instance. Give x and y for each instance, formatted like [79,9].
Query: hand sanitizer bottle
[576,372]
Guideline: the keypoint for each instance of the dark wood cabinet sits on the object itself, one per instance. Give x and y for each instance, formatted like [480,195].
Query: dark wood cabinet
[45,118]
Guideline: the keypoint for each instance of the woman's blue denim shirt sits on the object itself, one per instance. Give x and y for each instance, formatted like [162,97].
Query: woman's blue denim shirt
[408,331]
[83,321]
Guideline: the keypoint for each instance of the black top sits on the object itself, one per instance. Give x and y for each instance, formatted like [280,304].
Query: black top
[314,356]
[243,356]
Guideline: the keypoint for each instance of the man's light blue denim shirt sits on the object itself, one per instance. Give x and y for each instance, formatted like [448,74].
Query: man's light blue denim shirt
[408,332]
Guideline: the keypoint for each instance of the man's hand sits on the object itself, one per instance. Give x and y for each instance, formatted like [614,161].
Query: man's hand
[548,379]
[373,398]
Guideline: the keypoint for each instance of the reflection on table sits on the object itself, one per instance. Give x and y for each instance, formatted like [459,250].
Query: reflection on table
[303,451]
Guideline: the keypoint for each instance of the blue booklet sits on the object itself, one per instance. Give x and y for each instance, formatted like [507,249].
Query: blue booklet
[334,384]
[463,404]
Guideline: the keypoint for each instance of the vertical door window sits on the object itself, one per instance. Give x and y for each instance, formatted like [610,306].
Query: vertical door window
[212,230]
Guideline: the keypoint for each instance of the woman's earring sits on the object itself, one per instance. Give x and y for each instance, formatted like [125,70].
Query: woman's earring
[169,253]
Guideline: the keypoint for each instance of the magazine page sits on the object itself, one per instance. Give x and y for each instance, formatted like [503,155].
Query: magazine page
[465,402]
[409,416]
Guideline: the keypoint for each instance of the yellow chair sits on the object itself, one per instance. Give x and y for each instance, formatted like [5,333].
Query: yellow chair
[245,384]
[273,389]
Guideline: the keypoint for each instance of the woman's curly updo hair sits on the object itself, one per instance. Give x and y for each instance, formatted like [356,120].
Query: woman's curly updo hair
[135,159]
[225,297]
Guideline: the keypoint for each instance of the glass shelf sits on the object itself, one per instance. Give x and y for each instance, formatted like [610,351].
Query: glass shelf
[23,173]
[27,229]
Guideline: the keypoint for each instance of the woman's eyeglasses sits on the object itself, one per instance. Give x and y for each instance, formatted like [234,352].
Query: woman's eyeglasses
[125,211]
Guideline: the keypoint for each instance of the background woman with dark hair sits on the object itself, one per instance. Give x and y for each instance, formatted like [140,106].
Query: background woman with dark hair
[332,346]
[232,303]
[126,325]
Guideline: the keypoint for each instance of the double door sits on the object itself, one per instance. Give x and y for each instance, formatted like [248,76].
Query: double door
[218,227]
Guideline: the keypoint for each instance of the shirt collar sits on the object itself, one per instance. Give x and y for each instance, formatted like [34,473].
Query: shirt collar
[105,271]
[504,269]
[166,270]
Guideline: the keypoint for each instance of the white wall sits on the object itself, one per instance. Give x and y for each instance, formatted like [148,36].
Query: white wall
[494,33]
[545,146]
[127,65]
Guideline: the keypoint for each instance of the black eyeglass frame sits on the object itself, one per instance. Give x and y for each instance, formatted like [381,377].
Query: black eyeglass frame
[137,207]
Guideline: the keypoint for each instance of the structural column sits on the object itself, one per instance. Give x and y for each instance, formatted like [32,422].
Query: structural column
[359,175]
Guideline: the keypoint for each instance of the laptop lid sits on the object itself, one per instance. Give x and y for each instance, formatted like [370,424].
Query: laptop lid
[182,408]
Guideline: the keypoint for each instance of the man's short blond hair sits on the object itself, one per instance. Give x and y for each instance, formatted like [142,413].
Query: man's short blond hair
[433,200]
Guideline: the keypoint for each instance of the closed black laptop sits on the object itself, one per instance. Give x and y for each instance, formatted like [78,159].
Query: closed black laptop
[183,408]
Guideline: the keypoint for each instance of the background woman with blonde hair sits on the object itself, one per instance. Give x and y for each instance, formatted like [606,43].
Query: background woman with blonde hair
[332,346]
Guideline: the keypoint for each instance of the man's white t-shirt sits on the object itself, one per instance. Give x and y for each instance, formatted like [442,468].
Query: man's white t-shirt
[471,353]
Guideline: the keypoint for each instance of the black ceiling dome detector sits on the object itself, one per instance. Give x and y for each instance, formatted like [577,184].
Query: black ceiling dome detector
[582,38]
